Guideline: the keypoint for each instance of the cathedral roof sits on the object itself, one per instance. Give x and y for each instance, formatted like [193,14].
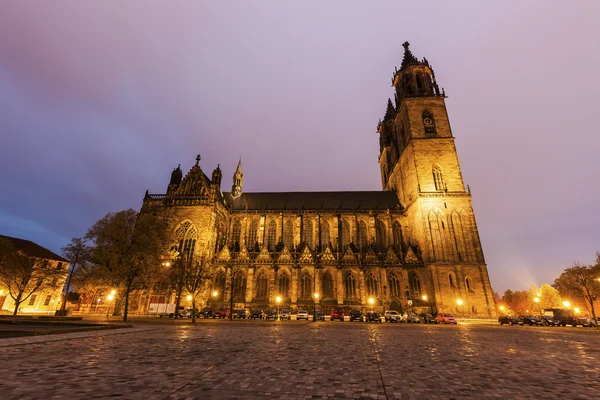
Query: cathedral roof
[314,201]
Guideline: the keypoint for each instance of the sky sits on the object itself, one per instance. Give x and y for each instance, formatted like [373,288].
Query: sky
[100,100]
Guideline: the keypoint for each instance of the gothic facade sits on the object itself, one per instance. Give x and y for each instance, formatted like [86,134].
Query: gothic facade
[415,244]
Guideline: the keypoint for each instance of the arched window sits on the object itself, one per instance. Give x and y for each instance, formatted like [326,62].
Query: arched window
[428,122]
[262,286]
[325,237]
[345,233]
[407,85]
[350,284]
[306,286]
[474,310]
[284,285]
[468,284]
[381,236]
[438,178]
[327,285]
[307,232]
[272,235]
[288,235]
[186,237]
[219,285]
[239,286]
[236,232]
[362,235]
[372,286]
[397,233]
[415,285]
[252,231]
[452,279]
[394,283]
[420,82]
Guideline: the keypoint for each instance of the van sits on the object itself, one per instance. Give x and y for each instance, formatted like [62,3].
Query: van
[337,313]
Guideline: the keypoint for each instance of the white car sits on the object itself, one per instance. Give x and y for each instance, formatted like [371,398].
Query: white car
[285,314]
[302,314]
[393,316]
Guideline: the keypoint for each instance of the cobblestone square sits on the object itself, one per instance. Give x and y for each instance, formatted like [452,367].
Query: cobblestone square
[300,360]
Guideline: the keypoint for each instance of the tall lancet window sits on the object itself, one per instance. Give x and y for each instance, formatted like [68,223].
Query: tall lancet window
[438,178]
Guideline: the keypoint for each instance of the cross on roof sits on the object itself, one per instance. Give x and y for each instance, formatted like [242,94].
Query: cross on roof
[197,159]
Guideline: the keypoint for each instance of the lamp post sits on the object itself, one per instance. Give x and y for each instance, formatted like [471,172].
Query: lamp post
[371,302]
[537,301]
[460,303]
[424,297]
[278,300]
[110,297]
[316,298]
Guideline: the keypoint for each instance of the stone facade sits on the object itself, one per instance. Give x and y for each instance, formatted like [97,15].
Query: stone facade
[413,245]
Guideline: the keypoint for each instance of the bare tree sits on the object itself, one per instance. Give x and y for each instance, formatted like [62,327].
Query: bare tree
[78,253]
[197,273]
[24,275]
[127,249]
[581,282]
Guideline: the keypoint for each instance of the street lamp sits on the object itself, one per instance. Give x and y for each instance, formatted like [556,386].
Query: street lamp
[315,307]
[537,301]
[424,297]
[109,298]
[460,303]
[371,302]
[577,310]
[566,304]
[278,300]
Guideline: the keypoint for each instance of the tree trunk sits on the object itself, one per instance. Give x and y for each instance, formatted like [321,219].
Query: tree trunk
[194,310]
[594,315]
[231,298]
[68,285]
[127,290]
[17,303]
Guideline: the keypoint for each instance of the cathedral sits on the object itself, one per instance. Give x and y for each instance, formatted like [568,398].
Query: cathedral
[412,246]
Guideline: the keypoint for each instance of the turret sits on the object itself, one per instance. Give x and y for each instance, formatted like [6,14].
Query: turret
[238,180]
[217,175]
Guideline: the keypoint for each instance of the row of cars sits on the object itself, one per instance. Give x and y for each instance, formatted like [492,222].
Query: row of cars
[548,320]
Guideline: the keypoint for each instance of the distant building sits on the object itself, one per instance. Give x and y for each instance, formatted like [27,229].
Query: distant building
[48,298]
[413,245]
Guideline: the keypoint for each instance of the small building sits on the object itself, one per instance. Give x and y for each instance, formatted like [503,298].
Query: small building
[48,298]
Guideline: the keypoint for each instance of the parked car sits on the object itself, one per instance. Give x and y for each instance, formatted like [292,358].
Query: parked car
[549,321]
[373,317]
[257,314]
[206,313]
[428,319]
[221,313]
[240,314]
[320,316]
[271,314]
[356,315]
[285,314]
[509,320]
[302,314]
[188,313]
[446,319]
[337,313]
[587,322]
[563,315]
[530,320]
[392,316]
[411,318]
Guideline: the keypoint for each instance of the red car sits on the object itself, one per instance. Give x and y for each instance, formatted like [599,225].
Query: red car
[337,313]
[221,313]
[446,319]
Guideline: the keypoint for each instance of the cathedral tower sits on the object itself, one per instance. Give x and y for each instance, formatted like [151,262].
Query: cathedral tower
[238,180]
[418,161]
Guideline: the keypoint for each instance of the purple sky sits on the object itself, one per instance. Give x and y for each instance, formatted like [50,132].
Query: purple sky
[100,102]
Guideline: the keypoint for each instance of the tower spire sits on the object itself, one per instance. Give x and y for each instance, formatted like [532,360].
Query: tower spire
[238,180]
[408,58]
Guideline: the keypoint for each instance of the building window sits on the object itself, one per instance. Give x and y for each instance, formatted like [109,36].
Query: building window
[415,285]
[32,299]
[284,285]
[219,285]
[372,286]
[325,237]
[307,233]
[236,233]
[420,82]
[381,236]
[438,178]
[451,279]
[252,231]
[474,310]
[288,235]
[350,287]
[239,286]
[59,266]
[272,235]
[468,284]
[306,287]
[345,233]
[428,122]
[327,286]
[262,286]
[47,301]
[397,232]
[394,283]
[362,235]
[186,237]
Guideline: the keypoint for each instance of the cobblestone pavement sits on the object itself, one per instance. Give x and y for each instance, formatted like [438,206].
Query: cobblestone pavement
[298,360]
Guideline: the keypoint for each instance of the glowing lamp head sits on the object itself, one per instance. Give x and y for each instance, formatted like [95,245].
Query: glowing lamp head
[371,301]
[278,299]
[110,297]
[424,297]
[113,292]
[566,304]
[577,310]
[189,297]
[316,295]
[459,302]
[502,308]
[537,300]
[215,293]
